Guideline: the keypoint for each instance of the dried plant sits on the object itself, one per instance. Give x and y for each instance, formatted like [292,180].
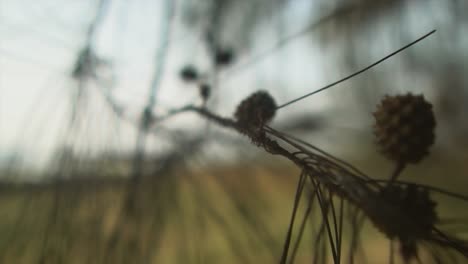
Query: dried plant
[343,196]
[403,212]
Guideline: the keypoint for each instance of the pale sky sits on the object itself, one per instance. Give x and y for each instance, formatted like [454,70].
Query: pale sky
[39,42]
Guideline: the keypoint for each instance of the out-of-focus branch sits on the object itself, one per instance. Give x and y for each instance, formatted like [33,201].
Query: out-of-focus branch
[146,114]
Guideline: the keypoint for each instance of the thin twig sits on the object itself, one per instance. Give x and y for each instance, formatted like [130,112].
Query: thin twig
[325,219]
[302,227]
[391,252]
[335,226]
[358,72]
[396,172]
[300,187]
[340,226]
[428,187]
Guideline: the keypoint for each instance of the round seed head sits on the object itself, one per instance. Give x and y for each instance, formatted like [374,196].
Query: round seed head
[406,213]
[256,110]
[404,127]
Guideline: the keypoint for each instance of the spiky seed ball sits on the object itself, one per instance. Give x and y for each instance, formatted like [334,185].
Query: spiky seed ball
[256,110]
[411,201]
[406,213]
[404,127]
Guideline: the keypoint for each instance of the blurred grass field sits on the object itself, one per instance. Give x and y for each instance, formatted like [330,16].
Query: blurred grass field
[213,214]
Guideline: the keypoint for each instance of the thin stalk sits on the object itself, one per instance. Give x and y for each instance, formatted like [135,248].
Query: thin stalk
[335,226]
[340,226]
[396,172]
[327,224]
[356,226]
[392,253]
[318,242]
[358,72]
[302,227]
[300,187]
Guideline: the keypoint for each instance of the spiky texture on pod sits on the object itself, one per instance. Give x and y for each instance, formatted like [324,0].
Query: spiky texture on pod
[404,127]
[406,213]
[256,110]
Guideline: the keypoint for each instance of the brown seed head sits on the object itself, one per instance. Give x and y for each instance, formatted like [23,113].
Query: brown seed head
[406,213]
[404,127]
[256,110]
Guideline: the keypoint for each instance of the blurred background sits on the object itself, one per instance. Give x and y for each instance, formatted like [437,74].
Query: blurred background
[86,86]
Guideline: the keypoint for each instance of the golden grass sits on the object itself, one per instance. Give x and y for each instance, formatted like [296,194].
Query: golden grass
[234,214]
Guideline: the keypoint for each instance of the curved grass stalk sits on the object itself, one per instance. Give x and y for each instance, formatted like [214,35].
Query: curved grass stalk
[300,188]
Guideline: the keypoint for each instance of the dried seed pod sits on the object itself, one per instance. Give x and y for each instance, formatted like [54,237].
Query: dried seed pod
[406,213]
[404,127]
[256,110]
[189,73]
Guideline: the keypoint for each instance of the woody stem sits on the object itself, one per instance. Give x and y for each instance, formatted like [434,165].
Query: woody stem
[397,171]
